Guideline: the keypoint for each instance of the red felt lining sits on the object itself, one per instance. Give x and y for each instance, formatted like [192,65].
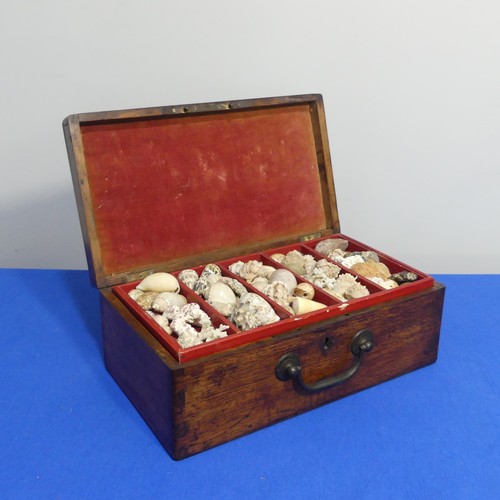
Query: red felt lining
[174,187]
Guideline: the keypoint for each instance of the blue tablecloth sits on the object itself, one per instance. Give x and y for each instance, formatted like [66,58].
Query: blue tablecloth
[67,431]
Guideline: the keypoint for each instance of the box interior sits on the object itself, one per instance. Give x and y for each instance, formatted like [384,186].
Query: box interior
[334,307]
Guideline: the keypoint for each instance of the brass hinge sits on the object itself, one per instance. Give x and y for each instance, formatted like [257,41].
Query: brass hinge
[309,237]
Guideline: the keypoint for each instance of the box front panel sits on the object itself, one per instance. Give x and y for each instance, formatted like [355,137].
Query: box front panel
[231,395]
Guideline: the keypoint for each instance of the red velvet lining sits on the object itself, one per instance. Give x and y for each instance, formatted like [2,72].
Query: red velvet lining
[179,186]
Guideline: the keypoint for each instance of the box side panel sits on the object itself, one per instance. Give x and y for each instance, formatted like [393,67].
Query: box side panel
[406,335]
[138,368]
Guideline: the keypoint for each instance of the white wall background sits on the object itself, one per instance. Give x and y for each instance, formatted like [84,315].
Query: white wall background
[411,88]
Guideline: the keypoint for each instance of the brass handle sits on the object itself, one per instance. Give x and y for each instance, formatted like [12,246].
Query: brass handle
[289,366]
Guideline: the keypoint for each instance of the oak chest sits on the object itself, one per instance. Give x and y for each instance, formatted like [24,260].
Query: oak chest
[240,183]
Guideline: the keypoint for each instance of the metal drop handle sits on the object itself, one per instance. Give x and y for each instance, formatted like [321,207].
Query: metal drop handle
[289,366]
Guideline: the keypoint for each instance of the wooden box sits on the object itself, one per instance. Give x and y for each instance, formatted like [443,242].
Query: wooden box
[178,187]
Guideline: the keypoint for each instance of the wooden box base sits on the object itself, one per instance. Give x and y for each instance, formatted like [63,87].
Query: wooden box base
[202,403]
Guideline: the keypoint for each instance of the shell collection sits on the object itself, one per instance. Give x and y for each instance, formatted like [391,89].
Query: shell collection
[323,274]
[230,298]
[366,264]
[280,285]
[159,294]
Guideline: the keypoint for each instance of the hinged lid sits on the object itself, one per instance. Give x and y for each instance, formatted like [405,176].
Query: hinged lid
[166,188]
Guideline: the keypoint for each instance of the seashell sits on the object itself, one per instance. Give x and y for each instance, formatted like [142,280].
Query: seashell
[146,299]
[370,268]
[341,285]
[260,283]
[286,277]
[325,247]
[210,333]
[265,271]
[325,269]
[309,264]
[250,270]
[370,255]
[133,294]
[164,299]
[236,267]
[188,277]
[278,257]
[201,287]
[295,261]
[404,277]
[211,269]
[222,298]
[159,282]
[253,311]
[387,284]
[213,278]
[161,320]
[337,253]
[356,291]
[350,261]
[187,335]
[171,312]
[304,290]
[237,287]
[278,292]
[300,305]
[193,314]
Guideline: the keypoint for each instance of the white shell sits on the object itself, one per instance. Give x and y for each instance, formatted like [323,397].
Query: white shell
[164,299]
[253,311]
[260,283]
[220,292]
[304,290]
[222,298]
[159,282]
[285,277]
[356,291]
[278,292]
[302,306]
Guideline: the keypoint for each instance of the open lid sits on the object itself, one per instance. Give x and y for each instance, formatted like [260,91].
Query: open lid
[167,188]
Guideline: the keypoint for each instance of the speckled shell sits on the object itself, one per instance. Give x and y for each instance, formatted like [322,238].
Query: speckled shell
[188,277]
[201,287]
[211,269]
[237,287]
